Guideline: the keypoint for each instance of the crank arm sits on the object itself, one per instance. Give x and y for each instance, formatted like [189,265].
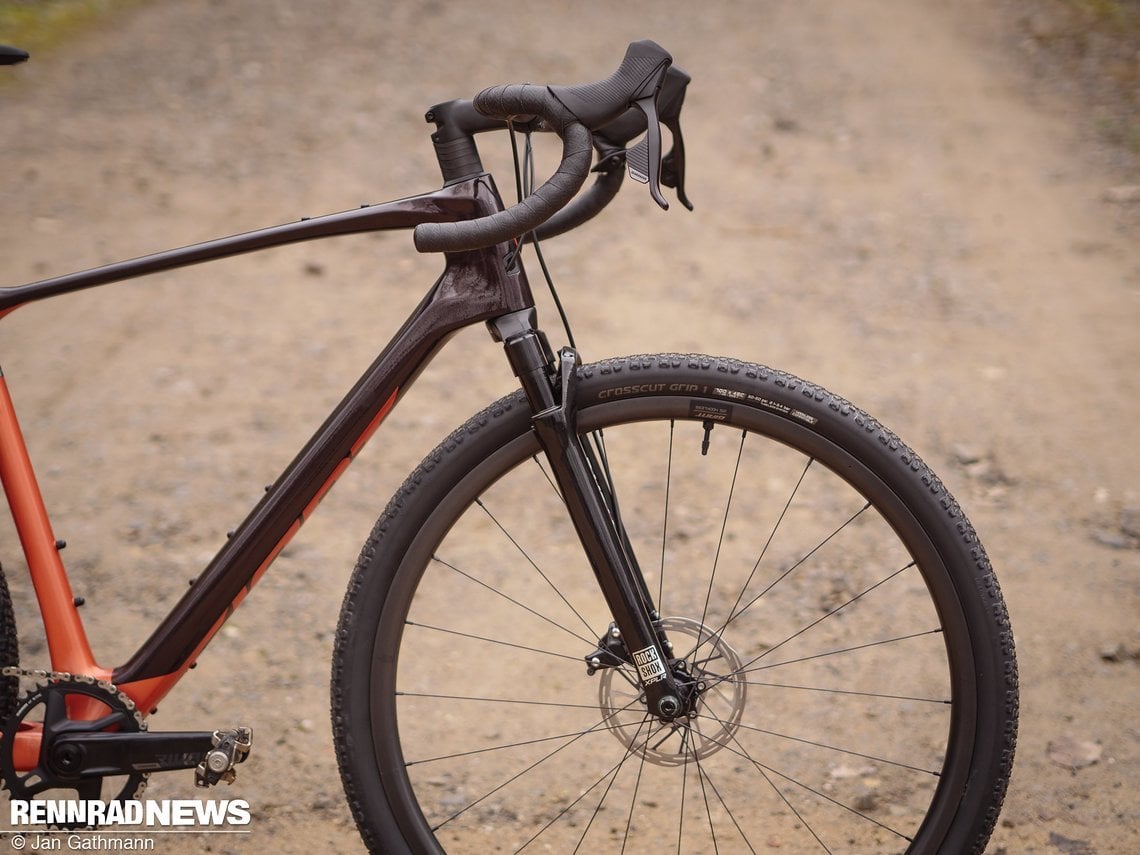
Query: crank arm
[88,755]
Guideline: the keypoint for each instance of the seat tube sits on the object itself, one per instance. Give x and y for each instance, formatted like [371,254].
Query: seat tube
[551,397]
[67,640]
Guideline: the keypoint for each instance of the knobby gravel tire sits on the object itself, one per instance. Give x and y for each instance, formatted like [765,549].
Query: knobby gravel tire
[857,672]
[9,651]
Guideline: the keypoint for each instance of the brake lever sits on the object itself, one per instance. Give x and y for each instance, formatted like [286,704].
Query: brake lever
[670,169]
[644,160]
[672,99]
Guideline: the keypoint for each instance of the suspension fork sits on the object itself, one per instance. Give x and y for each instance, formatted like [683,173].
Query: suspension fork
[550,389]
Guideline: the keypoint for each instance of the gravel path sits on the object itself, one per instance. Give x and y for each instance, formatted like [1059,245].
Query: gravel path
[886,203]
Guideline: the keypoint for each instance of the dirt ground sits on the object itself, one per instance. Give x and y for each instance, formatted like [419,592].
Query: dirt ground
[888,202]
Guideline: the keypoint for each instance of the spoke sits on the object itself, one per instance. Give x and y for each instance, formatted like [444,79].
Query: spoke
[764,770]
[705,777]
[703,664]
[880,695]
[723,529]
[633,798]
[748,670]
[549,479]
[684,781]
[827,615]
[835,748]
[771,537]
[705,798]
[576,733]
[518,701]
[744,753]
[798,564]
[665,520]
[733,615]
[524,771]
[741,751]
[750,667]
[493,641]
[612,771]
[515,602]
[506,746]
[616,771]
[535,566]
[628,675]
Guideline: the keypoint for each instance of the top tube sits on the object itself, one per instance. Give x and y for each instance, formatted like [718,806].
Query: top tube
[456,202]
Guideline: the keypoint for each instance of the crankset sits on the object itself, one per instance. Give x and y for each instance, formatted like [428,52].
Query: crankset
[63,766]
[95,746]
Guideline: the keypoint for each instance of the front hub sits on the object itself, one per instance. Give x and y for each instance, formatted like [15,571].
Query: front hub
[708,709]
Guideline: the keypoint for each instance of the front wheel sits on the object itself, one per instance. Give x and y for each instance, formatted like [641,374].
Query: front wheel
[857,684]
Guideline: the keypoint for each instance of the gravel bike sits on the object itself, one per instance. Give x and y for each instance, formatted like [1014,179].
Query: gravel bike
[661,602]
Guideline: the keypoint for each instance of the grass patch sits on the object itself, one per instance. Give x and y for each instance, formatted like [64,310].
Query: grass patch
[1113,48]
[1120,16]
[1095,43]
[37,25]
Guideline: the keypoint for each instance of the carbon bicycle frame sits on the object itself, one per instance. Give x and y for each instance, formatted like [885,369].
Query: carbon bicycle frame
[474,286]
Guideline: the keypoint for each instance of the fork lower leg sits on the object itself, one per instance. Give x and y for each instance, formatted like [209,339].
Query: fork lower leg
[580,481]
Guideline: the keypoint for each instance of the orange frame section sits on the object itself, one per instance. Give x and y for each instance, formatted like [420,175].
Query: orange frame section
[68,646]
[66,637]
[67,640]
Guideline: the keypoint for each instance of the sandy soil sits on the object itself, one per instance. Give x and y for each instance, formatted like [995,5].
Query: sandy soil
[888,203]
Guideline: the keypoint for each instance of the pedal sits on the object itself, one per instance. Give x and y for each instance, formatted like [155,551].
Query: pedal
[230,747]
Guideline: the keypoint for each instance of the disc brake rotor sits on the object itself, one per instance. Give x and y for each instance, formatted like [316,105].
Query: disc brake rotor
[715,712]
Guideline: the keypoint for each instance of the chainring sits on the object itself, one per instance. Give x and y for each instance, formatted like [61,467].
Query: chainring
[48,705]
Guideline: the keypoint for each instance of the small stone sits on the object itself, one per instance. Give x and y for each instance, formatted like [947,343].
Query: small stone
[1125,534]
[1113,539]
[1123,194]
[968,455]
[1069,846]
[1073,753]
[1121,653]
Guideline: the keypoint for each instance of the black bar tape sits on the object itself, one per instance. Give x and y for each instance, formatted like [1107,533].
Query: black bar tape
[505,102]
[597,104]
[585,207]
[572,112]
